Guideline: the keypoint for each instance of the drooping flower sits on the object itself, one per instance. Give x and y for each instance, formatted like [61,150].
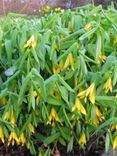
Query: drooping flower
[108,85]
[90,92]
[79,107]
[12,118]
[1,135]
[114,127]
[22,139]
[13,138]
[9,116]
[99,114]
[69,61]
[31,127]
[82,94]
[58,68]
[6,116]
[115,143]
[99,117]
[82,140]
[53,117]
[31,43]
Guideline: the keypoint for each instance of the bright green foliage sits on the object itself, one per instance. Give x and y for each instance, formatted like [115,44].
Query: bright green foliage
[58,78]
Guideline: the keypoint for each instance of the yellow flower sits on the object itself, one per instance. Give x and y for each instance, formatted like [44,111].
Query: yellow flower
[22,139]
[88,27]
[95,121]
[82,140]
[108,85]
[99,114]
[114,127]
[6,116]
[3,101]
[53,117]
[78,106]
[36,95]
[12,118]
[98,118]
[31,43]
[90,92]
[82,94]
[31,127]
[13,138]
[115,143]
[58,9]
[69,61]
[48,7]
[1,135]
[102,58]
[58,68]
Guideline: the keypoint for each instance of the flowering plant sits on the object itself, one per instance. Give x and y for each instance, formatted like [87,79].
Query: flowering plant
[58,78]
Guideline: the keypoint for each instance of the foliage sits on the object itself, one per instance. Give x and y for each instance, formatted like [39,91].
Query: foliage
[58,78]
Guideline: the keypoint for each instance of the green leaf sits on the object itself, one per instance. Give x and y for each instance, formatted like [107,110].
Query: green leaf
[53,101]
[40,82]
[8,48]
[70,145]
[52,138]
[107,143]
[87,34]
[98,46]
[23,88]
[64,83]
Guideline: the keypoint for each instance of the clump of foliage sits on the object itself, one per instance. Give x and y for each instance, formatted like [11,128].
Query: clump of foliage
[58,79]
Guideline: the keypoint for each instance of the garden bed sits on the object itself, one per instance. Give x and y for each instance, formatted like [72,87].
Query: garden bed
[58,79]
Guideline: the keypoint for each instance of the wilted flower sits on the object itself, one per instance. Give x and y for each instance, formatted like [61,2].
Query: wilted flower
[31,43]
[78,107]
[108,85]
